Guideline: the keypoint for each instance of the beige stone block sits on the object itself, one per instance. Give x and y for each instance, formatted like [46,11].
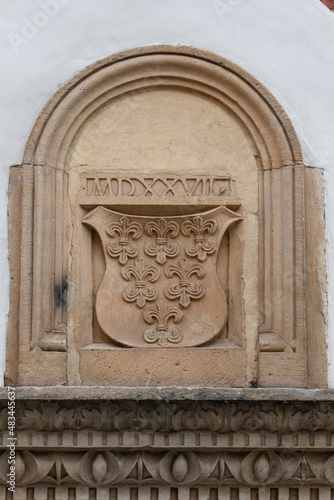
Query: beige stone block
[40,369]
[174,367]
[316,300]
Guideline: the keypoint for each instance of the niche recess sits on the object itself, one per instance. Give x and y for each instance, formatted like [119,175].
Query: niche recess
[167,228]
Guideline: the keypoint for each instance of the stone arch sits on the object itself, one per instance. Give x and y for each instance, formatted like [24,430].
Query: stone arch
[50,307]
[262,116]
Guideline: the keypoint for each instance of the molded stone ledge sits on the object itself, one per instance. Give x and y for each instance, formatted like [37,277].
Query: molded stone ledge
[170,443]
[167,394]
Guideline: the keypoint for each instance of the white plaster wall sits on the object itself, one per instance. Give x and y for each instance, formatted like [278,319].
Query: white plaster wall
[286,44]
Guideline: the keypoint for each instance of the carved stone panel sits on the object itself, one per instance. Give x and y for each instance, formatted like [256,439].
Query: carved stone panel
[160,286]
[166,230]
[155,265]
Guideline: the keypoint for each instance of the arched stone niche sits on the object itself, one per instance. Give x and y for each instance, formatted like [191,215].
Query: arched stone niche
[167,228]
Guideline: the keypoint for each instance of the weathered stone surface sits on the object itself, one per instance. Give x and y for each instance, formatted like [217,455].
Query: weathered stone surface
[161,271]
[97,393]
[161,247]
[147,447]
[173,415]
[104,468]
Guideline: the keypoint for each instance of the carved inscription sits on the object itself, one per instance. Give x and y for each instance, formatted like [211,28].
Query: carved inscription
[175,260]
[165,186]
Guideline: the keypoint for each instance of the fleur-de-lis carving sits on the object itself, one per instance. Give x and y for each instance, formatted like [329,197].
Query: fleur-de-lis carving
[185,290]
[123,248]
[162,332]
[202,246]
[162,249]
[141,274]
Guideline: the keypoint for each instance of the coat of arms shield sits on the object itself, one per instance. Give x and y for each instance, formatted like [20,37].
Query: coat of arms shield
[160,286]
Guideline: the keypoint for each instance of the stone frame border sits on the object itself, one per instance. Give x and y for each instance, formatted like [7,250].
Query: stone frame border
[286,357]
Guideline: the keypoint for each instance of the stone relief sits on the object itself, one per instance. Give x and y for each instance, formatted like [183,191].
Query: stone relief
[141,275]
[114,181]
[218,417]
[162,248]
[185,290]
[104,468]
[117,186]
[177,444]
[164,269]
[111,258]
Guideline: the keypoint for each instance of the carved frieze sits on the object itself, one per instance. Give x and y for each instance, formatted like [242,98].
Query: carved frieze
[219,417]
[170,449]
[106,468]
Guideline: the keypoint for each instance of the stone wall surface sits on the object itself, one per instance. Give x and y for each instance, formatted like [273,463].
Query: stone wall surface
[169,210]
[47,43]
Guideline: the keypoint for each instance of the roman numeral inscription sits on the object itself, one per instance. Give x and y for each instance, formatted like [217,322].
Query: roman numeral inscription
[114,188]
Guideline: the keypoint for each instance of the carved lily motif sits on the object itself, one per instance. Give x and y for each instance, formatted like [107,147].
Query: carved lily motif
[185,290]
[141,274]
[162,332]
[123,249]
[162,249]
[202,246]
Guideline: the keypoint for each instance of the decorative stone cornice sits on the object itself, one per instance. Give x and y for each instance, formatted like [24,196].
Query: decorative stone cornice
[100,393]
[98,468]
[102,440]
[220,417]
